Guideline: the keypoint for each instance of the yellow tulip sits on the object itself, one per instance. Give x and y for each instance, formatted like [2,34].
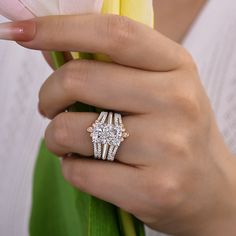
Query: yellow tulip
[139,10]
[111,6]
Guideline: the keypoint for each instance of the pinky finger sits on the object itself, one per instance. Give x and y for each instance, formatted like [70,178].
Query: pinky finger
[109,181]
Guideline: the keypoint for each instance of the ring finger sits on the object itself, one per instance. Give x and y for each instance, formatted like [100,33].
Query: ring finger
[67,133]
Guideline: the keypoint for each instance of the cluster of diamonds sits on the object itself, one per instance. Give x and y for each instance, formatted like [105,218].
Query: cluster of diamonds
[107,136]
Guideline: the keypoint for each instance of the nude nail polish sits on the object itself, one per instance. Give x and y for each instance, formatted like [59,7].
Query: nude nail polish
[18,31]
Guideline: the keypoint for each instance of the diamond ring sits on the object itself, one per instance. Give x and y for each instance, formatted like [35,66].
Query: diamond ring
[107,134]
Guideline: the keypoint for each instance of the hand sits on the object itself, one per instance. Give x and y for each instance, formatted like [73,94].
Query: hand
[174,172]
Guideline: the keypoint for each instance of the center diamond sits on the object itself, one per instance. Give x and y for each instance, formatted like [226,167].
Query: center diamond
[107,134]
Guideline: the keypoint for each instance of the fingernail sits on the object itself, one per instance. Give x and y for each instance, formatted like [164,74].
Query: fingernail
[18,31]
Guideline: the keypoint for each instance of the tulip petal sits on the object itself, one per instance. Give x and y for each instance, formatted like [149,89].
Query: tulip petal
[14,10]
[139,10]
[111,6]
[43,7]
[79,6]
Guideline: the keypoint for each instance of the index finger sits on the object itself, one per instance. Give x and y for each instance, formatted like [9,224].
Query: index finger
[125,41]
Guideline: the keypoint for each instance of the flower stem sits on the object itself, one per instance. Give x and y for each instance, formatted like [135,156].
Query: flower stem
[58,59]
[127,223]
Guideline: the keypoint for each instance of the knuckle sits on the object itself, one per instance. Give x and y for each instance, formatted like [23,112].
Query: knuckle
[68,76]
[187,60]
[75,75]
[167,191]
[177,145]
[186,100]
[188,105]
[76,177]
[41,92]
[41,104]
[60,133]
[169,195]
[118,31]
[190,63]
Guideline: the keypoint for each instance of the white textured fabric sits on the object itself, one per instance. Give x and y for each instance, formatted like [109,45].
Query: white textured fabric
[212,44]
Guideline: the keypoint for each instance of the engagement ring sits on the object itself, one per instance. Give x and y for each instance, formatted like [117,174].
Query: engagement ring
[107,134]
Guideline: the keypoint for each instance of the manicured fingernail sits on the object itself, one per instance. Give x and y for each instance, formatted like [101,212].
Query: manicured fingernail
[18,31]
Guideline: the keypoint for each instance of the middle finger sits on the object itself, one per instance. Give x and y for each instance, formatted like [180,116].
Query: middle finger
[105,85]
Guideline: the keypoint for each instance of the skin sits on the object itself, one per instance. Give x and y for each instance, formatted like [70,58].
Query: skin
[181,172]
[174,18]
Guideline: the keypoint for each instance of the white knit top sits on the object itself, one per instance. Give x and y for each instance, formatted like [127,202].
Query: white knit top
[212,42]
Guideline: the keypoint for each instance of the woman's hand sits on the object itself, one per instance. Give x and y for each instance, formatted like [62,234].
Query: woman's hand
[174,172]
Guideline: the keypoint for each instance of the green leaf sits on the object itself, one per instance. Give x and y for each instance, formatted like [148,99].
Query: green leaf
[59,209]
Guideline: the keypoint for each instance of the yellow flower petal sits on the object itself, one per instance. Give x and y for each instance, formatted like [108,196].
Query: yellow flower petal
[139,10]
[111,6]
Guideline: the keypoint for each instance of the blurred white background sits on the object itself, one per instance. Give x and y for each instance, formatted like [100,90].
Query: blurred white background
[21,127]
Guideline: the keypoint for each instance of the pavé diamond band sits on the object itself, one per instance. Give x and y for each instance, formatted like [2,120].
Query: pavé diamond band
[107,134]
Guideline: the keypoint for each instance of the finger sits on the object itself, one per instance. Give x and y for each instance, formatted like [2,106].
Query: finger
[112,182]
[99,84]
[67,133]
[125,41]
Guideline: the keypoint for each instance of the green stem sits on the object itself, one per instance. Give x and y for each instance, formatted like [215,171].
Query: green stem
[58,59]
[127,223]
